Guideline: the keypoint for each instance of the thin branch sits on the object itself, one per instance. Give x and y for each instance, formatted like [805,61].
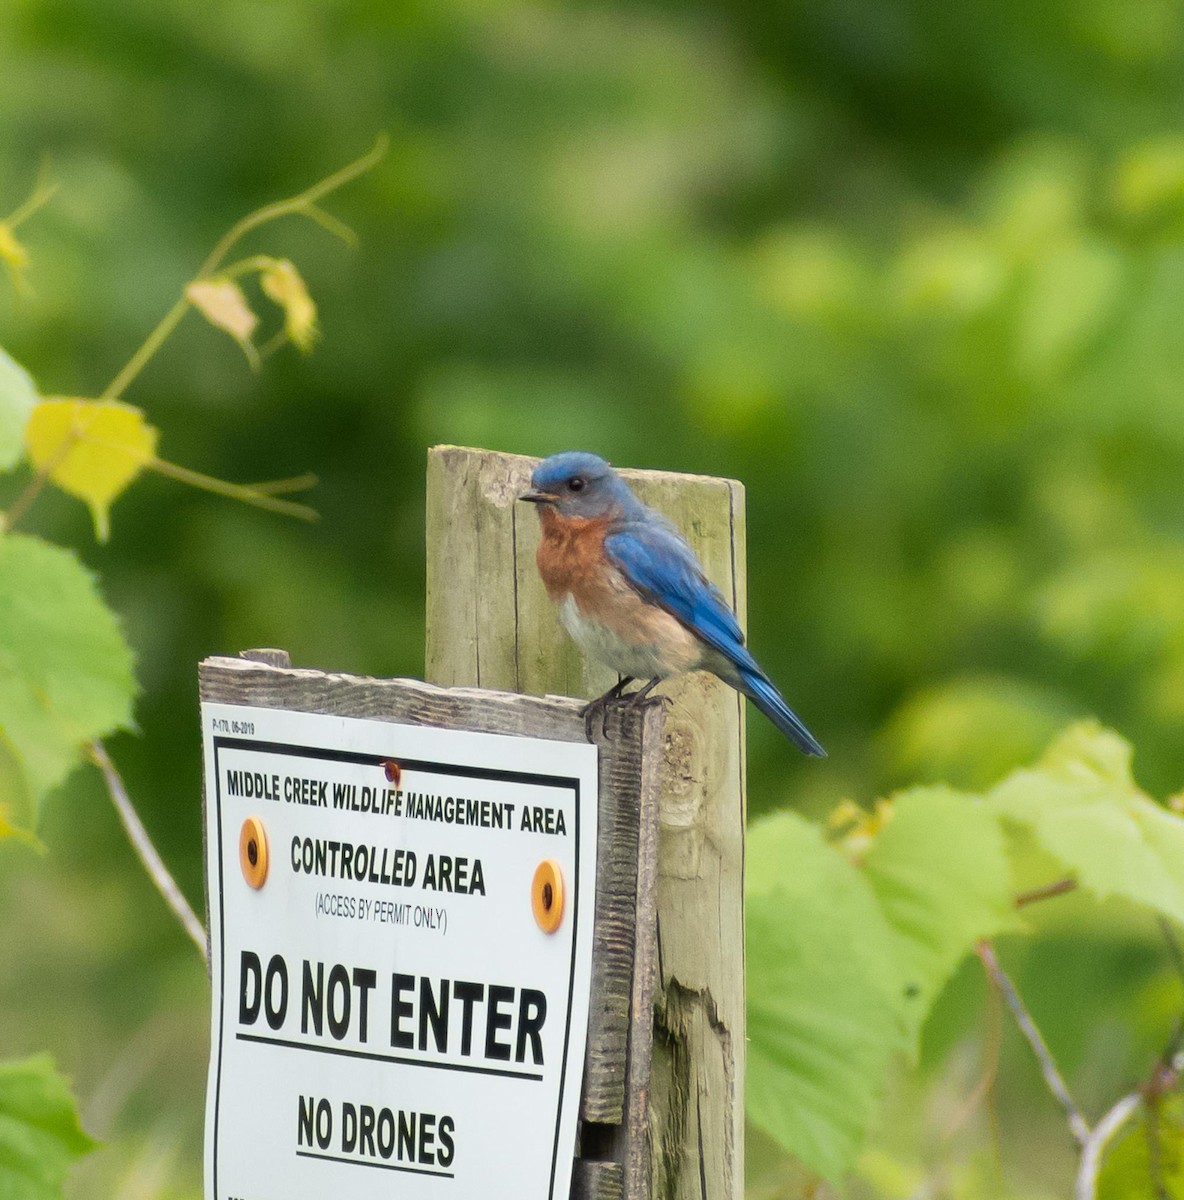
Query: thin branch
[263,496]
[277,340]
[142,844]
[1057,888]
[280,487]
[42,193]
[24,501]
[152,343]
[1155,1148]
[330,224]
[32,490]
[305,202]
[1094,1145]
[1048,1068]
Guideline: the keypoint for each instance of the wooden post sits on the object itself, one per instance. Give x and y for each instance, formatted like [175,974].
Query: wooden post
[490,624]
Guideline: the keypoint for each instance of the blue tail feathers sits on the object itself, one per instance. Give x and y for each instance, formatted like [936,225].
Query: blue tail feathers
[760,690]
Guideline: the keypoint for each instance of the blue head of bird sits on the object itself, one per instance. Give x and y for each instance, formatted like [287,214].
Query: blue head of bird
[578,484]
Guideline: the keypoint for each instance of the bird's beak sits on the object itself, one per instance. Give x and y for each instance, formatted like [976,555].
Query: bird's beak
[535,497]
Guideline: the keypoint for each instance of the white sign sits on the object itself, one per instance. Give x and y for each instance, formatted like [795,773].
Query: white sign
[389,1016]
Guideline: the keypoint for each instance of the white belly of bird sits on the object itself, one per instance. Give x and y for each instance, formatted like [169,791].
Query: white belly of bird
[642,661]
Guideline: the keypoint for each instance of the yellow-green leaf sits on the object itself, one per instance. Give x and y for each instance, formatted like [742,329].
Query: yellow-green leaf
[222,303]
[39,1130]
[1082,805]
[15,795]
[92,449]
[940,872]
[281,282]
[823,1023]
[65,669]
[1150,178]
[18,395]
[12,254]
[1135,1171]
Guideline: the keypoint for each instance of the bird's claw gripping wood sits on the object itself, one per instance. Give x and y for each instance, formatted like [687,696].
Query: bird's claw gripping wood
[638,698]
[601,704]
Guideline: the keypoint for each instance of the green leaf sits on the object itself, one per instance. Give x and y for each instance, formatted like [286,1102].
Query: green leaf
[1150,178]
[18,394]
[65,670]
[824,995]
[1071,291]
[1127,1172]
[1082,805]
[39,1131]
[940,872]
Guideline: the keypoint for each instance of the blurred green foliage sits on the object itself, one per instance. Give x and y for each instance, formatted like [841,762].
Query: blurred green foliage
[912,271]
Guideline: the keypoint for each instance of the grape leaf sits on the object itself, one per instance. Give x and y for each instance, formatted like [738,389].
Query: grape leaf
[1083,806]
[39,1130]
[825,995]
[92,449]
[1127,1172]
[65,670]
[18,395]
[940,872]
[222,303]
[281,283]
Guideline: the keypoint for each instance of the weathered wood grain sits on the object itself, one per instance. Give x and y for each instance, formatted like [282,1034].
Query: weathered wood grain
[593,1180]
[489,620]
[407,701]
[269,655]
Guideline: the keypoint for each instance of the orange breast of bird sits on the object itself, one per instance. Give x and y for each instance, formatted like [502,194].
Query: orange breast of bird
[636,637]
[571,556]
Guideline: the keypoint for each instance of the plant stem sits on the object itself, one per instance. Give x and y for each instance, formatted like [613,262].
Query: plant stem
[1057,888]
[142,844]
[262,497]
[1173,944]
[1048,1068]
[152,343]
[24,501]
[304,202]
[41,194]
[1094,1146]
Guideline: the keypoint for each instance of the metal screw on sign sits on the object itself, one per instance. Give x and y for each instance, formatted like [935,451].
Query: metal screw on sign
[394,773]
[547,895]
[252,852]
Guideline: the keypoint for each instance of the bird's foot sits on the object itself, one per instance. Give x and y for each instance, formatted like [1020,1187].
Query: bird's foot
[601,705]
[639,697]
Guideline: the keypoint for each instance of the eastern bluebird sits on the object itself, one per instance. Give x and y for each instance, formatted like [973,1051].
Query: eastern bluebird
[632,593]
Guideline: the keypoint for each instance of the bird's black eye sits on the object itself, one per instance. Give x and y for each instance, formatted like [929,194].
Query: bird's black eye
[576,483]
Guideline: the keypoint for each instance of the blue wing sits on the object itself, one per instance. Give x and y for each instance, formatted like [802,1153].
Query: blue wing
[657,562]
[664,569]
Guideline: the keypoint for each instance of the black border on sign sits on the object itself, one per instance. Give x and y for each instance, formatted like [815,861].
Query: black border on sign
[539,779]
